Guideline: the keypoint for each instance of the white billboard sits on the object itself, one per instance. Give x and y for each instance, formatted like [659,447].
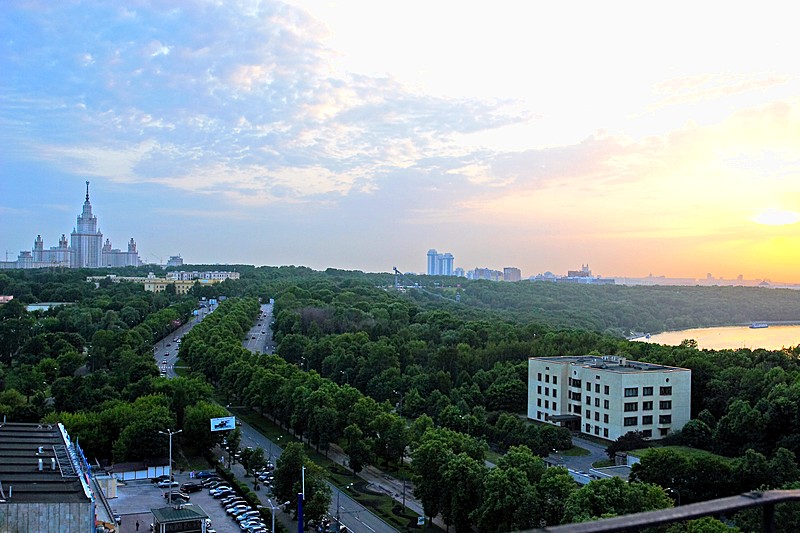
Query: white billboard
[223,424]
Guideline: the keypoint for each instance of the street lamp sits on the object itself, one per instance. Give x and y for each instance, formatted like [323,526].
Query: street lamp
[271,508]
[677,493]
[171,477]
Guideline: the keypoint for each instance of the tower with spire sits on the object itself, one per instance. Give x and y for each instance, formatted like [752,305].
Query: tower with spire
[86,240]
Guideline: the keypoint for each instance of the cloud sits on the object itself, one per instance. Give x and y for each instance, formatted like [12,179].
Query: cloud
[776,217]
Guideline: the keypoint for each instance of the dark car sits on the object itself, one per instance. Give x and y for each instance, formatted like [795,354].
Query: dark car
[159,479]
[191,486]
[175,497]
[204,474]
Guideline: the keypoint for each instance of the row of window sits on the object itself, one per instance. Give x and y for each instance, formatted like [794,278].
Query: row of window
[631,407]
[646,420]
[631,392]
[547,378]
[546,391]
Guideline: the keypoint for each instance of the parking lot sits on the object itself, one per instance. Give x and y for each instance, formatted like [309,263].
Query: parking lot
[135,499]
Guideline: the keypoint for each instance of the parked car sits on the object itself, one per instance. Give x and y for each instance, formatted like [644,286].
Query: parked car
[247,515]
[204,474]
[224,493]
[167,484]
[191,486]
[239,507]
[160,478]
[174,497]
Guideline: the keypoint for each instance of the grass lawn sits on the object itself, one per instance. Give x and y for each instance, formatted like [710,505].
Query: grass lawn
[575,451]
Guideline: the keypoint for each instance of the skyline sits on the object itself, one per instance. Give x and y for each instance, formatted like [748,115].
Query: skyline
[358,135]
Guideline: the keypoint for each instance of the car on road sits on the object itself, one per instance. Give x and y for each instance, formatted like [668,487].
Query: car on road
[169,344]
[167,484]
[203,474]
[253,337]
[164,362]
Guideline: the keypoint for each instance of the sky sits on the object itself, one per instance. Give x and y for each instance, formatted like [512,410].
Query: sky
[636,137]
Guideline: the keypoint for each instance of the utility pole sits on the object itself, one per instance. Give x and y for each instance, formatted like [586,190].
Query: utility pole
[171,477]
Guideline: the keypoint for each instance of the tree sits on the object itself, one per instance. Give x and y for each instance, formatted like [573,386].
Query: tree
[357,448]
[462,480]
[631,440]
[553,490]
[508,502]
[197,428]
[612,497]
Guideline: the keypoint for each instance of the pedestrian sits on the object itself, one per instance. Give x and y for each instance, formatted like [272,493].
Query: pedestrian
[137,525]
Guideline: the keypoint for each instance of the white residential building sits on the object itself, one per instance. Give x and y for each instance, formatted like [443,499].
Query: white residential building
[608,396]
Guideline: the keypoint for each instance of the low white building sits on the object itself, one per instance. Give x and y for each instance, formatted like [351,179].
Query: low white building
[608,396]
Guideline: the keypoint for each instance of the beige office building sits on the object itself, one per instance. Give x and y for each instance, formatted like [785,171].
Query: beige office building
[608,396]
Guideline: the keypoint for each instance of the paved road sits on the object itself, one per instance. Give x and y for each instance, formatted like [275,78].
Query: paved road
[167,348]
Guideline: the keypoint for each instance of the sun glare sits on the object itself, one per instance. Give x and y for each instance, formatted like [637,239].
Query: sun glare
[777,217]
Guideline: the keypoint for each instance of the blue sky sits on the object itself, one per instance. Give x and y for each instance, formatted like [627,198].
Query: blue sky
[360,134]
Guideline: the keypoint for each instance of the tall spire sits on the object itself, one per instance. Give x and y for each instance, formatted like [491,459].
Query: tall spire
[87,190]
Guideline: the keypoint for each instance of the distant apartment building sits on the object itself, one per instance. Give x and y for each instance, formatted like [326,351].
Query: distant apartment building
[175,261]
[485,273]
[512,274]
[439,264]
[608,396]
[183,281]
[214,274]
[85,248]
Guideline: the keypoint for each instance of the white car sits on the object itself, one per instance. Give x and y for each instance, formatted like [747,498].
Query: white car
[167,484]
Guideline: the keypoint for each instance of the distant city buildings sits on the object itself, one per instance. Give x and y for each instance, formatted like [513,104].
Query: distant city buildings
[512,274]
[86,248]
[439,264]
[608,396]
[183,281]
[175,261]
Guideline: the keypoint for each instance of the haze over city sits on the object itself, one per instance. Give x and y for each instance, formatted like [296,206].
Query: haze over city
[637,138]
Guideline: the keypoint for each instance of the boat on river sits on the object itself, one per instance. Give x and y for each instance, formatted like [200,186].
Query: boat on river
[759,325]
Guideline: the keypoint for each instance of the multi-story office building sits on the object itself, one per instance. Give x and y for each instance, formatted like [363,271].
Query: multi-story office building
[608,396]
[439,264]
[512,274]
[85,249]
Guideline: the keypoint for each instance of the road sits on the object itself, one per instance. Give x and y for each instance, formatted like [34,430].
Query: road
[351,513]
[165,351]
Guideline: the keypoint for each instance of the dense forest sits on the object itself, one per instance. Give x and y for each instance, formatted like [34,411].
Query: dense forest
[389,373]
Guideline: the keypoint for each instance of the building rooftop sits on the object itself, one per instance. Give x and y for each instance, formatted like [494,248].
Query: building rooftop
[166,515]
[610,363]
[37,465]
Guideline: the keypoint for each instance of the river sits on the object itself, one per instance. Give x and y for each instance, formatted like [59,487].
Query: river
[732,337]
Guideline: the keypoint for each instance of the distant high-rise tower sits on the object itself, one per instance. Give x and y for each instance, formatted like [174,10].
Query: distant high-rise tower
[440,264]
[86,241]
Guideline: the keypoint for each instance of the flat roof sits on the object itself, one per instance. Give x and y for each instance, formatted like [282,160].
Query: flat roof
[22,446]
[610,363]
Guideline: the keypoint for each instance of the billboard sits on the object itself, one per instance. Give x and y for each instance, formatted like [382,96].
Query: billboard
[223,424]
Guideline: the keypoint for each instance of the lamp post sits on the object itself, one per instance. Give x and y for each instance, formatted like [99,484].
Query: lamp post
[170,433]
[677,493]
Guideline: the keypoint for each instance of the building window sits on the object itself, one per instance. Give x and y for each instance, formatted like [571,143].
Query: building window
[539,415]
[605,419]
[647,420]
[538,389]
[588,387]
[576,409]
[647,433]
[647,391]
[547,391]
[631,392]
[547,378]
[597,402]
[587,428]
[596,417]
[569,408]
[597,388]
[538,402]
[665,404]
[666,391]
[547,404]
[647,406]
[663,431]
[664,419]
[605,404]
[631,407]
[555,391]
[588,400]
[597,430]
[605,432]
[539,376]
[605,389]
[555,380]
[588,414]
[630,420]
